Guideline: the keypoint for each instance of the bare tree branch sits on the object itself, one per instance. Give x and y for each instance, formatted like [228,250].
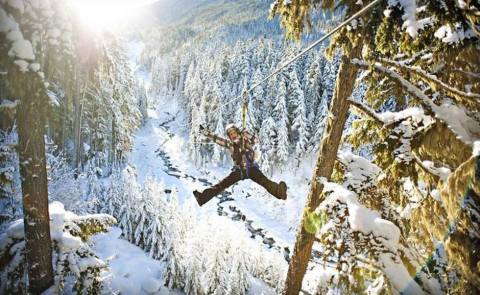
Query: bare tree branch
[366,110]
[423,167]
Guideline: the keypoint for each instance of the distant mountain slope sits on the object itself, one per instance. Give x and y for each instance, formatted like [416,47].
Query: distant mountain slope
[170,11]
[212,21]
[218,21]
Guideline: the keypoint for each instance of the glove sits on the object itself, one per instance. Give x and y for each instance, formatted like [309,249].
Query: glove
[201,128]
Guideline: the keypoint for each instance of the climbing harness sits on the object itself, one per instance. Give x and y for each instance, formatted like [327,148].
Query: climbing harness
[250,162]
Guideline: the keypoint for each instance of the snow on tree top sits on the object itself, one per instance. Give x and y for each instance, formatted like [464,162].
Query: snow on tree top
[23,65]
[8,104]
[360,173]
[58,229]
[451,35]
[416,113]
[22,49]
[476,148]
[360,218]
[15,230]
[410,24]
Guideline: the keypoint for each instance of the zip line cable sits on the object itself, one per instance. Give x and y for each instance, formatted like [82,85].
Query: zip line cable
[310,47]
[286,64]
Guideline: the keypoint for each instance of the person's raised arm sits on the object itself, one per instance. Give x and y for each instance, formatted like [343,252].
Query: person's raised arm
[217,139]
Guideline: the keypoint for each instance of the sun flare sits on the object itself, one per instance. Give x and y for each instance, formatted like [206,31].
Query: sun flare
[102,15]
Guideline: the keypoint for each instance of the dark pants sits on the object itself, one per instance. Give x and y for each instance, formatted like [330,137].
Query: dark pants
[235,176]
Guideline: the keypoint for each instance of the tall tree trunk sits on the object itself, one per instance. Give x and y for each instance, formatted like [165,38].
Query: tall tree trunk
[326,159]
[77,123]
[63,126]
[78,133]
[114,142]
[7,115]
[31,149]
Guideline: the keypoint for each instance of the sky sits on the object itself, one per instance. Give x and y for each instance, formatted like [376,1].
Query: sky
[100,15]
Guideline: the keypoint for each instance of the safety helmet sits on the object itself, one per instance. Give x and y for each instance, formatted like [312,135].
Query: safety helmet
[231,127]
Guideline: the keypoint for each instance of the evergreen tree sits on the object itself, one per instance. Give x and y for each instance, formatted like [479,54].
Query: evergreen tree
[267,144]
[299,123]
[217,269]
[280,117]
[10,197]
[218,151]
[256,103]
[237,280]
[321,111]
[313,90]
[405,56]
[188,93]
[194,138]
[27,85]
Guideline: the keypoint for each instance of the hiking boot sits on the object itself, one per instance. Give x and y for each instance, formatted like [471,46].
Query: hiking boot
[282,191]
[198,197]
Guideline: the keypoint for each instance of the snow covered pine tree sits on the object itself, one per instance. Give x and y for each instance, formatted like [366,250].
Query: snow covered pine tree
[76,267]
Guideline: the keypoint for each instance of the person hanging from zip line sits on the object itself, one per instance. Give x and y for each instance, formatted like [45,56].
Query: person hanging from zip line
[240,144]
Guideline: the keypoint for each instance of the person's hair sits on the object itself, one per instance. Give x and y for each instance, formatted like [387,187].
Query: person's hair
[231,127]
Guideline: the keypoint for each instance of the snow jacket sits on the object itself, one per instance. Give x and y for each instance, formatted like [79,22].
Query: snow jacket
[243,156]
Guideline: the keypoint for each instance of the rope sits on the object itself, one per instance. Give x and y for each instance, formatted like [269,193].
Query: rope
[245,93]
[310,47]
[244,110]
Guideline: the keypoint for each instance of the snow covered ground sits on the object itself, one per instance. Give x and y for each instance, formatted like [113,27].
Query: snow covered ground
[132,271]
[160,153]
[158,140]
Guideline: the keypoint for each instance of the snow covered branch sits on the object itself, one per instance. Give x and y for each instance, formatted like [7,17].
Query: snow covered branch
[456,117]
[471,14]
[460,195]
[467,73]
[8,104]
[409,87]
[360,174]
[74,258]
[433,81]
[427,166]
[361,232]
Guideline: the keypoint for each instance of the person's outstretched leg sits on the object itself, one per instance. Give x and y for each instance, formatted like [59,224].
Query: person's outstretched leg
[278,190]
[211,192]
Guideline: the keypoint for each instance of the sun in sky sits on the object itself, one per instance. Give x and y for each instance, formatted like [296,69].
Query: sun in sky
[102,15]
